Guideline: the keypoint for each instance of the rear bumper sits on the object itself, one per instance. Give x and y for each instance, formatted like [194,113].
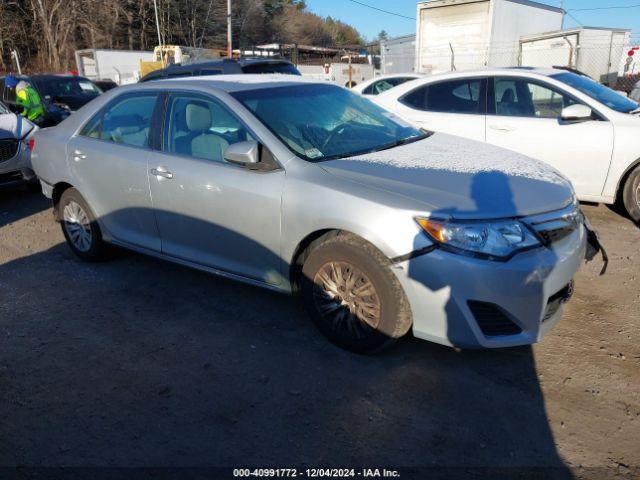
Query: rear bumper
[528,290]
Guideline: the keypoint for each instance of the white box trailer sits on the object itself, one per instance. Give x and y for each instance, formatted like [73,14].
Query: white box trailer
[398,55]
[468,34]
[121,66]
[597,52]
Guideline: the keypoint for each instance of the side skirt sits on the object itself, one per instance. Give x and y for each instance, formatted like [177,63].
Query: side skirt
[186,263]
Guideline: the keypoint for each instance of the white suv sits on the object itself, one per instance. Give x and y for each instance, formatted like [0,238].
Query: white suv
[586,131]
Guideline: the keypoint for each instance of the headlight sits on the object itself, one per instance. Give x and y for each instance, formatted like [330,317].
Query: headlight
[498,240]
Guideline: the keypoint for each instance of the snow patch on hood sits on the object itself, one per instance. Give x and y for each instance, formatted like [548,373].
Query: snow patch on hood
[454,154]
[14,126]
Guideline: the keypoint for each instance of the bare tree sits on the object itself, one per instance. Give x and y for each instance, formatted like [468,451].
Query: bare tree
[47,32]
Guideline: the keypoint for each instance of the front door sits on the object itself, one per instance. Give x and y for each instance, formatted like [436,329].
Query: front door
[209,211]
[109,160]
[524,116]
[456,107]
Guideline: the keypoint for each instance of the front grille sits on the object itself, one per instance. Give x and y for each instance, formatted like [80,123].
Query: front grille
[492,320]
[556,300]
[8,149]
[554,227]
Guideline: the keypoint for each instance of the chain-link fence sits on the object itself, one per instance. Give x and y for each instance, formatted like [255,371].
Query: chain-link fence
[611,57]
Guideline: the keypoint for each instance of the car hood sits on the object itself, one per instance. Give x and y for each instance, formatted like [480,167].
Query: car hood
[458,178]
[14,126]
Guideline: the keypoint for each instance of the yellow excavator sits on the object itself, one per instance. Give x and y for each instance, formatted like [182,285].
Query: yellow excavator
[165,55]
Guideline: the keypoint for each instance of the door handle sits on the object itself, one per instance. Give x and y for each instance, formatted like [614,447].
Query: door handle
[78,155]
[161,172]
[502,128]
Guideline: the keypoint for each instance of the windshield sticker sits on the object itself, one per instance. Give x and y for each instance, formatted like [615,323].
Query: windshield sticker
[86,86]
[313,153]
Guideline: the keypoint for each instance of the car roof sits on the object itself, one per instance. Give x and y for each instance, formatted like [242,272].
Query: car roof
[498,71]
[240,82]
[222,63]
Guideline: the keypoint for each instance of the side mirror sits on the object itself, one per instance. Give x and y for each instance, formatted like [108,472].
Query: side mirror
[243,153]
[576,113]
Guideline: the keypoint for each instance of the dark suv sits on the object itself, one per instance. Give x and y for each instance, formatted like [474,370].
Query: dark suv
[224,67]
[60,94]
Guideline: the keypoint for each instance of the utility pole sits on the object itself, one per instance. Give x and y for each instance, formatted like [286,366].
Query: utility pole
[229,48]
[155,8]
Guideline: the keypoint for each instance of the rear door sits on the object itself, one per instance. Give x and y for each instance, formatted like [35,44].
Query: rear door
[524,116]
[455,106]
[108,160]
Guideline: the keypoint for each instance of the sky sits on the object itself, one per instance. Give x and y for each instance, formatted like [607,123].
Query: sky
[370,22]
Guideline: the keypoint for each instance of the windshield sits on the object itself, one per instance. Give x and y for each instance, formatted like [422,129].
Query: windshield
[3,109]
[52,88]
[598,92]
[268,67]
[323,122]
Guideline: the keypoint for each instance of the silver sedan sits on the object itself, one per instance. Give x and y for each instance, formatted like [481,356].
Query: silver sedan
[15,154]
[306,187]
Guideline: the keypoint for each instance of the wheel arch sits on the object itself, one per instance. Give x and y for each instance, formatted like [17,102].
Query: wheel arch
[58,189]
[305,246]
[300,253]
[623,179]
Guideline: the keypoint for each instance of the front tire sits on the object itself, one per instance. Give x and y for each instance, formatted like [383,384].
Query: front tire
[80,228]
[352,295]
[631,195]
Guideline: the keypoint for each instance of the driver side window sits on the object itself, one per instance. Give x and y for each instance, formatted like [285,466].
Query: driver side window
[201,128]
[522,98]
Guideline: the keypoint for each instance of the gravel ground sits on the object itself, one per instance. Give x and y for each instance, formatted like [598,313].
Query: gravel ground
[137,362]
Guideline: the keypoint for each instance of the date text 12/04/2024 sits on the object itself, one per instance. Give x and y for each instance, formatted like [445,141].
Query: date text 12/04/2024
[316,473]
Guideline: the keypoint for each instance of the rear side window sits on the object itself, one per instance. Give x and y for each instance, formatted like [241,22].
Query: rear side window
[210,71]
[458,96]
[285,68]
[376,88]
[8,94]
[125,122]
[178,74]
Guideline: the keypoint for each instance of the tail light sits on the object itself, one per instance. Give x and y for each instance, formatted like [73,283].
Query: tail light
[32,144]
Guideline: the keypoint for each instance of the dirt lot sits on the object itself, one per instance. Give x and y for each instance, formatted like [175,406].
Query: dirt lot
[137,362]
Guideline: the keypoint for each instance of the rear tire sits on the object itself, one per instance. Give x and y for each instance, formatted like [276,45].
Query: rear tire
[631,195]
[352,295]
[80,228]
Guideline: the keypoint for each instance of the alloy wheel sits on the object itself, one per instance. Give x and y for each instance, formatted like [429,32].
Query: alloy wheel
[77,225]
[346,298]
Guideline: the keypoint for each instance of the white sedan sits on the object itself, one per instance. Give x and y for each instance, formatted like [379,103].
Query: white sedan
[586,131]
[377,85]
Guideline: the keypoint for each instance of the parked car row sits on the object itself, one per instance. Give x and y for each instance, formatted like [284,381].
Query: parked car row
[586,131]
[60,95]
[306,187]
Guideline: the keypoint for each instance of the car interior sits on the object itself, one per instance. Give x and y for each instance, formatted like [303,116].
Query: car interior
[517,98]
[202,129]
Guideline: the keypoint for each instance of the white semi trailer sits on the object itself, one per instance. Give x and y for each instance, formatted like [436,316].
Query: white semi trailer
[468,34]
[121,66]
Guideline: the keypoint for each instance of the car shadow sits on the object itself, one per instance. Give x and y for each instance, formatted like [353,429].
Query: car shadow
[19,202]
[139,362]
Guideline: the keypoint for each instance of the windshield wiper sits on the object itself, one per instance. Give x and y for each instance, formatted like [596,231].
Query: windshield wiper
[404,141]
